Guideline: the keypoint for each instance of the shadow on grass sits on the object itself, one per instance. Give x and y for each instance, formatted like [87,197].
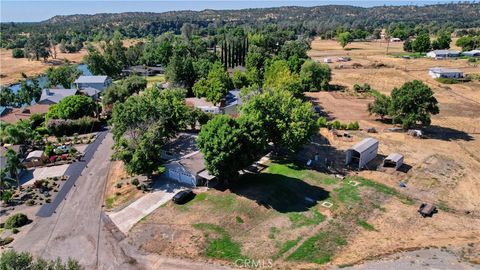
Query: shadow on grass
[279,192]
[447,134]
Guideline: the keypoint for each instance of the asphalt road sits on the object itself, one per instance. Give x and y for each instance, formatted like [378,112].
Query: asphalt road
[77,230]
[74,171]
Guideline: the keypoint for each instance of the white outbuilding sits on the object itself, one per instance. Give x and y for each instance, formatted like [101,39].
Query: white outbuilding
[443,54]
[362,153]
[394,160]
[438,72]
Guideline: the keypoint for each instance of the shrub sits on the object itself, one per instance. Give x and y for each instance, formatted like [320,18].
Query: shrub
[447,80]
[135,182]
[6,241]
[119,185]
[16,221]
[15,230]
[7,196]
[353,126]
[322,122]
[18,53]
[61,127]
[30,202]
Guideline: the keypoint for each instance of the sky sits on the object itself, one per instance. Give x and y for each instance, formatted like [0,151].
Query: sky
[39,10]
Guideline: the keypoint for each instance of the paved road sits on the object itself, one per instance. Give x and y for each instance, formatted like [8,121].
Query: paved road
[77,229]
[74,171]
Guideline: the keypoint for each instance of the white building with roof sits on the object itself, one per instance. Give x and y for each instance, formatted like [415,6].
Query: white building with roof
[53,96]
[362,153]
[98,82]
[443,54]
[439,72]
[472,53]
[394,160]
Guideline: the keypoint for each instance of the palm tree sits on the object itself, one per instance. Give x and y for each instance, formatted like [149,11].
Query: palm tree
[13,165]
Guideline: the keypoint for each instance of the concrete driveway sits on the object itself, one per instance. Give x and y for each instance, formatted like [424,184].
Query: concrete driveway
[126,218]
[32,175]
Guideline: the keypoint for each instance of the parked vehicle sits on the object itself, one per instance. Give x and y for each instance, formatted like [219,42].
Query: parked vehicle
[427,210]
[183,196]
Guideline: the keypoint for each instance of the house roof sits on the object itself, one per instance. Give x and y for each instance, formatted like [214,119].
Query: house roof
[445,52]
[395,157]
[445,70]
[364,145]
[91,79]
[16,114]
[89,91]
[193,162]
[35,154]
[55,95]
[199,102]
[472,52]
[233,98]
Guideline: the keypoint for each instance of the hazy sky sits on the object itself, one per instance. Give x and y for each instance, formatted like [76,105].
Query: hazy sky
[33,11]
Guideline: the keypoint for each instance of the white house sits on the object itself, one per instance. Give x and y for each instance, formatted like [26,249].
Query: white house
[97,82]
[443,54]
[362,153]
[203,104]
[473,53]
[229,105]
[53,96]
[438,72]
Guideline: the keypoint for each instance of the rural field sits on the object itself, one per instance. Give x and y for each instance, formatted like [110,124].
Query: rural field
[295,217]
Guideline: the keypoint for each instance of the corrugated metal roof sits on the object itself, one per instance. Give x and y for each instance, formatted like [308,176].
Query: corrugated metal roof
[395,157]
[445,70]
[364,145]
[91,79]
[55,95]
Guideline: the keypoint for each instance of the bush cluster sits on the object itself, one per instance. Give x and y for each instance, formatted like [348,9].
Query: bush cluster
[61,127]
[16,221]
[322,122]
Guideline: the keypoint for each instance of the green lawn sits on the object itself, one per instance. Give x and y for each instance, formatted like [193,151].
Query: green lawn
[219,243]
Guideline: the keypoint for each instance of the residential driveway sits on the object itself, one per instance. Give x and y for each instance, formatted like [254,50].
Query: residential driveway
[126,218]
[32,175]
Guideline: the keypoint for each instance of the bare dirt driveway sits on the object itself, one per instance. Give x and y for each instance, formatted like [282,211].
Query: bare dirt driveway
[77,230]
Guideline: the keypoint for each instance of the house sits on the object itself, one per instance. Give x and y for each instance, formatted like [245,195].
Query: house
[97,82]
[438,72]
[203,104]
[230,104]
[91,92]
[53,96]
[394,160]
[185,162]
[473,53]
[439,54]
[362,153]
[13,115]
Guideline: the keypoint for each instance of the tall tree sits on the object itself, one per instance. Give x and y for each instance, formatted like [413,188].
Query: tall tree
[64,75]
[37,47]
[344,39]
[13,165]
[421,43]
[315,76]
[279,77]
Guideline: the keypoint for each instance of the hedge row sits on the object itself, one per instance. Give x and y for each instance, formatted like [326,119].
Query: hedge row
[60,127]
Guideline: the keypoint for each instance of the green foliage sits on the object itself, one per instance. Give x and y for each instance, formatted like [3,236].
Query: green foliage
[37,47]
[27,93]
[315,76]
[322,122]
[442,42]
[110,62]
[72,107]
[143,123]
[300,220]
[380,106]
[367,226]
[344,39]
[279,77]
[219,243]
[421,43]
[13,260]
[319,248]
[18,133]
[18,53]
[407,45]
[468,43]
[16,221]
[180,70]
[447,80]
[240,79]
[287,121]
[413,103]
[157,52]
[121,90]
[64,75]
[215,86]
[62,127]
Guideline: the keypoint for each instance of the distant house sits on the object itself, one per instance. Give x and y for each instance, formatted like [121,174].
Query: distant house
[230,104]
[97,82]
[443,54]
[12,115]
[438,72]
[53,96]
[473,53]
[362,153]
[185,162]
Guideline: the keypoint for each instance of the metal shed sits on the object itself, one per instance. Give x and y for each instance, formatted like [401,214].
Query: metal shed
[362,153]
[394,160]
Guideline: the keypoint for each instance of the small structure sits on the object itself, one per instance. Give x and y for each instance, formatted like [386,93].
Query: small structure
[394,160]
[362,153]
[415,133]
[440,54]
[327,60]
[395,40]
[97,82]
[439,72]
[203,104]
[230,104]
[427,210]
[91,92]
[343,59]
[472,53]
[143,70]
[35,158]
[189,170]
[53,96]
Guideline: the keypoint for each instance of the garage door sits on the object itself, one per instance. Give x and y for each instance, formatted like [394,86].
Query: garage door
[180,177]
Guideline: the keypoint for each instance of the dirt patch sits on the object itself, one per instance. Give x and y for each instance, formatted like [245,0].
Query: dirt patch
[120,189]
